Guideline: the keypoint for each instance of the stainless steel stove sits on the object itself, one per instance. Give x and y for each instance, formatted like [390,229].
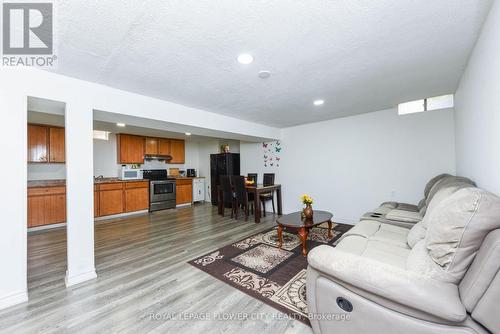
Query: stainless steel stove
[161,189]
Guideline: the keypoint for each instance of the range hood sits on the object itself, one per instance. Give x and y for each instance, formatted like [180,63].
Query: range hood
[159,157]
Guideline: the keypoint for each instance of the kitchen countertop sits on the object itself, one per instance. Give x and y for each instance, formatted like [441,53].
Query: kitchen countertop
[46,183]
[62,182]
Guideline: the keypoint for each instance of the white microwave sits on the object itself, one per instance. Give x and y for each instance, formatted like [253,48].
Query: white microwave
[131,174]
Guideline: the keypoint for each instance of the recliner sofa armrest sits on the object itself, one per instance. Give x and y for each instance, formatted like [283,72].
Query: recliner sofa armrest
[392,283]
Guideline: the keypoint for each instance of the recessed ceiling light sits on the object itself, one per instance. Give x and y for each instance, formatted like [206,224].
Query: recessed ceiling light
[264,74]
[319,102]
[245,59]
[121,125]
[188,133]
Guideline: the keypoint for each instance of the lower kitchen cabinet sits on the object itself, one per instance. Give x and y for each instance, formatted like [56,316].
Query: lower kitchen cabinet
[46,205]
[183,191]
[136,196]
[111,200]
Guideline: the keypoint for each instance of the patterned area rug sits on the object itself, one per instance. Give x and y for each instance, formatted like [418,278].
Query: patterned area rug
[276,276]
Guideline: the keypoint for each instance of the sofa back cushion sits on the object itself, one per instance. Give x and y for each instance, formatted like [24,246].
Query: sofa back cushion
[458,226]
[444,182]
[419,230]
[432,182]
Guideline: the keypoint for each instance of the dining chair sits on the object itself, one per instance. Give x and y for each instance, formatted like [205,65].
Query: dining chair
[241,195]
[268,181]
[227,194]
[255,178]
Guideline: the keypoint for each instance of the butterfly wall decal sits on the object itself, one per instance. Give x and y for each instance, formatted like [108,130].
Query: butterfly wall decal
[278,149]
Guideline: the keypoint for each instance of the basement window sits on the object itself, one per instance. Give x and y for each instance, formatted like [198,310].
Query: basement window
[431,103]
[102,135]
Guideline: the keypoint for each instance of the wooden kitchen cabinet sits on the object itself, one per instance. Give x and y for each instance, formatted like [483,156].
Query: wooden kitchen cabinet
[111,199]
[46,205]
[38,140]
[46,144]
[183,191]
[130,149]
[136,196]
[56,145]
[163,146]
[177,151]
[151,145]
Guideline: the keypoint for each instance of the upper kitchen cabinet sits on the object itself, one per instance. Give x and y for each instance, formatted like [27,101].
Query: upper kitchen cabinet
[56,145]
[177,151]
[130,149]
[163,146]
[38,140]
[45,144]
[151,146]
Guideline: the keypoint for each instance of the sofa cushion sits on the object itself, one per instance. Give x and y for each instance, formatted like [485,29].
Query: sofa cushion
[419,231]
[432,182]
[383,210]
[445,182]
[390,205]
[374,230]
[458,226]
[416,234]
[407,207]
[381,251]
[420,261]
[404,216]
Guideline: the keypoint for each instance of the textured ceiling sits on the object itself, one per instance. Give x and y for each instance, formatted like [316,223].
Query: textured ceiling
[359,56]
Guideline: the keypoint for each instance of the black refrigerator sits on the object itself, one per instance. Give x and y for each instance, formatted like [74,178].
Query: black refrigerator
[222,164]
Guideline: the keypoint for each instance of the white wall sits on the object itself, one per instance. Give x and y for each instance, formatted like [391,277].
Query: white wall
[13,206]
[477,102]
[351,165]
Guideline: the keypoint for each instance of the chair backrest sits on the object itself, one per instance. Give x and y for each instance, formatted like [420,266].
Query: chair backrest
[227,189]
[239,189]
[268,179]
[254,177]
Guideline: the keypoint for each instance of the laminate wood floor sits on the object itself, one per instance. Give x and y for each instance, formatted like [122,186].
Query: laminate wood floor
[144,283]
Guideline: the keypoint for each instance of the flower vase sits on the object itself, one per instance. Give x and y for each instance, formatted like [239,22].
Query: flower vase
[308,212]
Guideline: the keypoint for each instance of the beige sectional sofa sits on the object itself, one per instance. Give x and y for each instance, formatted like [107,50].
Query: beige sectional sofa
[439,276]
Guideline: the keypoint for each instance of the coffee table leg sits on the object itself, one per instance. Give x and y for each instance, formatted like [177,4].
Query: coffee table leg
[330,229]
[280,236]
[303,238]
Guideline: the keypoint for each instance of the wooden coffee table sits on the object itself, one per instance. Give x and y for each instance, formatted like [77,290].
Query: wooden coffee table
[294,221]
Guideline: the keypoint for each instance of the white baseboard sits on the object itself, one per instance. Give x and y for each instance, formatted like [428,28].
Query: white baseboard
[13,299]
[120,215]
[80,278]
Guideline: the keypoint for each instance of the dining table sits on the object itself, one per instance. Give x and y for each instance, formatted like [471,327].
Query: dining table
[257,190]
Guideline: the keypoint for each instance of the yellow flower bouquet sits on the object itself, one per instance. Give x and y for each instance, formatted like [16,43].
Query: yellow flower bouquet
[306,199]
